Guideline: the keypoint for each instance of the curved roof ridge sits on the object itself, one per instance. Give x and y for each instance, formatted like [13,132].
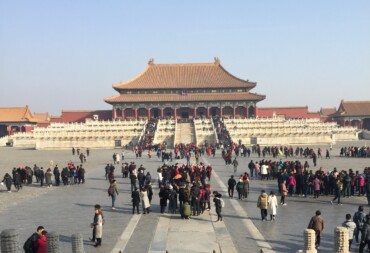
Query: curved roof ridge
[183,76]
[115,86]
[227,72]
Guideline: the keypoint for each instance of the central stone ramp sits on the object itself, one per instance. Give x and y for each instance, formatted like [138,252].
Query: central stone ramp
[185,133]
[198,234]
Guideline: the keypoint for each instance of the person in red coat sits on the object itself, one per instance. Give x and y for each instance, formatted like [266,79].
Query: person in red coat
[41,243]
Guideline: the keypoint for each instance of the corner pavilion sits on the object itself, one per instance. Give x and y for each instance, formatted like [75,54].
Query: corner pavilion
[184,91]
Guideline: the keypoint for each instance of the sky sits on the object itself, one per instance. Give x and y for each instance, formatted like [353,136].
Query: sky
[66,55]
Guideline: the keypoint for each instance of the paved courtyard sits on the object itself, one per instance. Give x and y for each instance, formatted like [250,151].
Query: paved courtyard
[69,210]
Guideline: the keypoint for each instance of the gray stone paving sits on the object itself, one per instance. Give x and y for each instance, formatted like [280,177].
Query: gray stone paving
[69,210]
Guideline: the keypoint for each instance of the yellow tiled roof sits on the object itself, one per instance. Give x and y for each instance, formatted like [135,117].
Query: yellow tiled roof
[194,97]
[16,114]
[184,76]
[353,108]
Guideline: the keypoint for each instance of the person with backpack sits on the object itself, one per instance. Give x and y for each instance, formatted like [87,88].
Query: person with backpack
[359,220]
[113,192]
[30,246]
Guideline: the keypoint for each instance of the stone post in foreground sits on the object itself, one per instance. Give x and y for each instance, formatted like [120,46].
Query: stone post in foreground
[341,243]
[9,240]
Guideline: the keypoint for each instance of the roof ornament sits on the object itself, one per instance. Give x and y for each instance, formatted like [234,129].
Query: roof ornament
[151,61]
[217,61]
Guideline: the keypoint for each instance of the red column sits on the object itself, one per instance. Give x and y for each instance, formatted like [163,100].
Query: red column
[195,113]
[135,113]
[234,112]
[149,112]
[247,112]
[256,111]
[174,113]
[114,114]
[162,109]
[220,111]
[123,113]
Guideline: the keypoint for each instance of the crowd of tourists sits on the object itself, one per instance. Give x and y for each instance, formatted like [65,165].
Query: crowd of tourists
[182,189]
[352,151]
[25,175]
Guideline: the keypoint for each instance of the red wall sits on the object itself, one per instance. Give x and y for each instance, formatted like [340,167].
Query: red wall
[288,112]
[80,116]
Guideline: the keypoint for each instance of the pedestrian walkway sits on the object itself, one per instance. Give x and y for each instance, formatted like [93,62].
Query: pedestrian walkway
[69,210]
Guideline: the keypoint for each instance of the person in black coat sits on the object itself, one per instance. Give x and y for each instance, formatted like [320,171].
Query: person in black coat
[135,195]
[365,238]
[163,197]
[218,205]
[81,175]
[133,179]
[17,179]
[41,176]
[56,173]
[8,182]
[231,186]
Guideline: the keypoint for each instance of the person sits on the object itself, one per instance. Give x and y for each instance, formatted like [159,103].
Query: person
[135,195]
[97,226]
[149,190]
[30,246]
[317,223]
[145,200]
[235,164]
[8,182]
[338,186]
[251,167]
[316,186]
[273,205]
[284,192]
[246,187]
[48,176]
[365,237]
[263,204]
[240,189]
[359,220]
[218,205]
[41,176]
[113,192]
[231,186]
[163,197]
[41,243]
[351,226]
[56,173]
[194,192]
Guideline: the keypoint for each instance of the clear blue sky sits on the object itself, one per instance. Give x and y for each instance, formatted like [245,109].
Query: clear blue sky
[57,55]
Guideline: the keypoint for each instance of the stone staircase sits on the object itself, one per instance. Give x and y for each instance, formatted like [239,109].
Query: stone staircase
[185,133]
[205,131]
[165,132]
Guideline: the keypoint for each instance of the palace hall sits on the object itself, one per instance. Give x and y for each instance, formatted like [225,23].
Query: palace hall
[184,91]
